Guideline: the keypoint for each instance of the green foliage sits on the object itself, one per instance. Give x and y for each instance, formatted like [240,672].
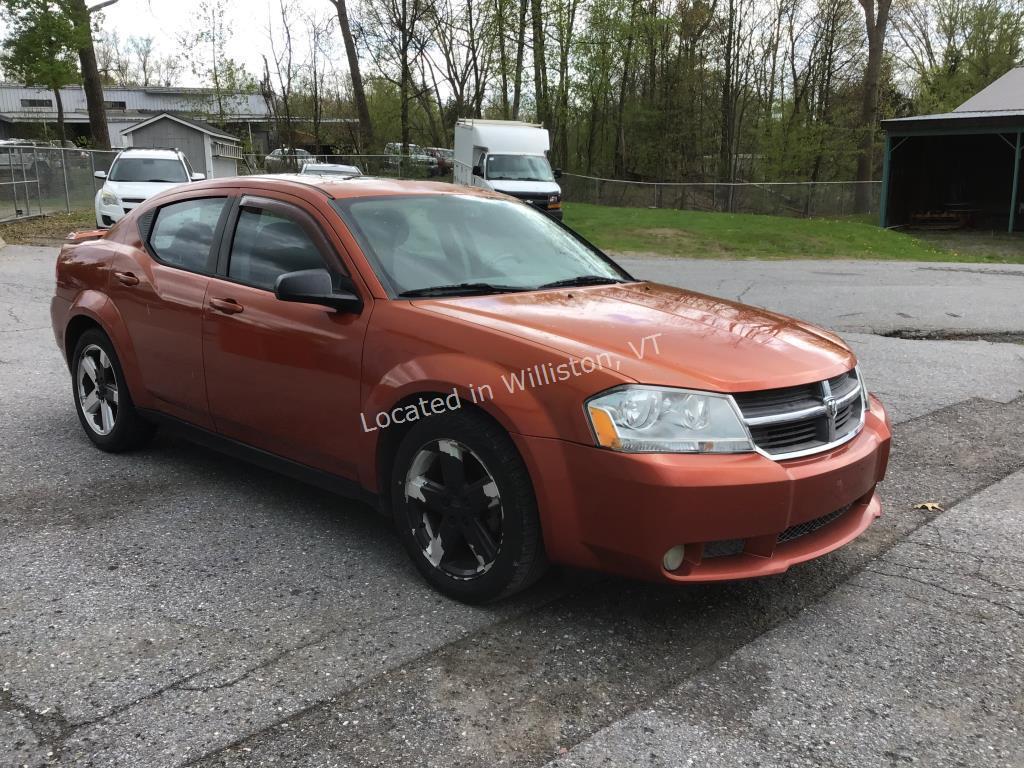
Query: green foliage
[983,40]
[41,45]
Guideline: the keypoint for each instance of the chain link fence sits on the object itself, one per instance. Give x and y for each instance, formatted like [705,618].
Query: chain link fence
[807,199]
[36,180]
[389,166]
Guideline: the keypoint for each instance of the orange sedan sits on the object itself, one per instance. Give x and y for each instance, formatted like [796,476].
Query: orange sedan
[475,370]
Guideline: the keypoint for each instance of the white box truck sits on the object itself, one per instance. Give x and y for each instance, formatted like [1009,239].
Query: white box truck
[508,156]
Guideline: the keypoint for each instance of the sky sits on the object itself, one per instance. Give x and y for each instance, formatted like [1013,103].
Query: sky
[248,20]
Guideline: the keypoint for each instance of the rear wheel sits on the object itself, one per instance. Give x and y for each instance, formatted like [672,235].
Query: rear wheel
[103,402]
[465,508]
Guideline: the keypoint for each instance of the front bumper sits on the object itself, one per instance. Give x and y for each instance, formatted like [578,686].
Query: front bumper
[108,215]
[736,516]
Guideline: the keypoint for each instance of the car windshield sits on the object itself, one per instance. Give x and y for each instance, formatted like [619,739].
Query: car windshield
[452,244]
[147,169]
[518,168]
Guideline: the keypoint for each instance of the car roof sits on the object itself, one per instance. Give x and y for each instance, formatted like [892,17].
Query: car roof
[329,166]
[146,152]
[338,188]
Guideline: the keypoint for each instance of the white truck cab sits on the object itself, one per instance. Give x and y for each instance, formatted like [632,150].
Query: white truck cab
[508,156]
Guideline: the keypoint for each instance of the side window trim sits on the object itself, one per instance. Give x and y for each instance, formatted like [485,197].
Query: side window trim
[332,260]
[218,232]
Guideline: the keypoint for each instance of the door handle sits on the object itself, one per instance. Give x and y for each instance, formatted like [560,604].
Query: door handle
[126,278]
[227,306]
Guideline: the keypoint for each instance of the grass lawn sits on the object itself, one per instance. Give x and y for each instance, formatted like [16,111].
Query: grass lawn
[697,234]
[47,229]
[664,232]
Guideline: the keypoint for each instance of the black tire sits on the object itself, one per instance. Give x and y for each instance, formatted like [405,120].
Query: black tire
[115,425]
[472,513]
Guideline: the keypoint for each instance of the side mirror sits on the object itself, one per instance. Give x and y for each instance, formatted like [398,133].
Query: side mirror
[478,171]
[314,286]
[100,174]
[197,177]
[558,173]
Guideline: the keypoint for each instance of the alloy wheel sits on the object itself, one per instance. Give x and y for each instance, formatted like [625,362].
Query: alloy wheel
[97,389]
[454,509]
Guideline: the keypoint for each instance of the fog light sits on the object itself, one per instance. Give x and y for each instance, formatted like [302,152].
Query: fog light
[674,557]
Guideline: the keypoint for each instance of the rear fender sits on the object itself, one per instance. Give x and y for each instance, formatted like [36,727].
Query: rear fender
[100,309]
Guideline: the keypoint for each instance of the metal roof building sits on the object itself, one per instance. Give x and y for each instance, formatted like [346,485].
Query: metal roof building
[125,107]
[962,166]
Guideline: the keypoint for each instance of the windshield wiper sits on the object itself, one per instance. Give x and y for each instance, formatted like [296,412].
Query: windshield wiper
[581,280]
[464,289]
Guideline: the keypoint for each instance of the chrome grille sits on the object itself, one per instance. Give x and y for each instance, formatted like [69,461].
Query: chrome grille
[796,421]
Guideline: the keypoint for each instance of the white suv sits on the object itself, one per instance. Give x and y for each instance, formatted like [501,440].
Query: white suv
[137,175]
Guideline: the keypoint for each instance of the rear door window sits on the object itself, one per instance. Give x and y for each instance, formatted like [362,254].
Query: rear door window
[183,233]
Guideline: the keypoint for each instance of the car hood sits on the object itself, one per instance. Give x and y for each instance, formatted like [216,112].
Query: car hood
[658,334]
[141,190]
[519,187]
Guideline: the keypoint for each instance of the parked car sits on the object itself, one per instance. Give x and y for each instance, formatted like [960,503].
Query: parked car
[330,169]
[500,388]
[508,156]
[285,159]
[445,159]
[135,176]
[417,158]
[28,160]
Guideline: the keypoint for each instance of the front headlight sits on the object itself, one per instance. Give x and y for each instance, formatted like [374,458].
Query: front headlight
[108,198]
[641,419]
[554,201]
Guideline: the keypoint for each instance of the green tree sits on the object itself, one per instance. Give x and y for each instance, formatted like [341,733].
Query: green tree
[41,48]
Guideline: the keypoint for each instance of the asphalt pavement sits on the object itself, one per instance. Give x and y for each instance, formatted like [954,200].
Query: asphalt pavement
[176,607]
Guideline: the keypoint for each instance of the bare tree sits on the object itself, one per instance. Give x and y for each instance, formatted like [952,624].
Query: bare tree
[319,34]
[141,50]
[395,30]
[278,83]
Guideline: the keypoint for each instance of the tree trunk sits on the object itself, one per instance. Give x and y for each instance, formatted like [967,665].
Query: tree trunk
[358,94]
[91,82]
[725,150]
[875,25]
[499,7]
[60,116]
[517,88]
[540,69]
[619,156]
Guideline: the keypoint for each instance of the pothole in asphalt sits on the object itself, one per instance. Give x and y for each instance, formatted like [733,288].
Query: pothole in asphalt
[996,337]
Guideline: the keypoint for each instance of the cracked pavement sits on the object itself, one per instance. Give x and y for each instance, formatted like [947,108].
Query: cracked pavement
[176,607]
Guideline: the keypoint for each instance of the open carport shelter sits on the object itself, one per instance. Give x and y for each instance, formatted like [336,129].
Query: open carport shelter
[959,167]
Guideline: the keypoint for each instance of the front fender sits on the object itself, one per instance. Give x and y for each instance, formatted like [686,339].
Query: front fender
[477,382]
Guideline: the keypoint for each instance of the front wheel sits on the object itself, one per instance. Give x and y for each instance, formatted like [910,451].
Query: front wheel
[465,509]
